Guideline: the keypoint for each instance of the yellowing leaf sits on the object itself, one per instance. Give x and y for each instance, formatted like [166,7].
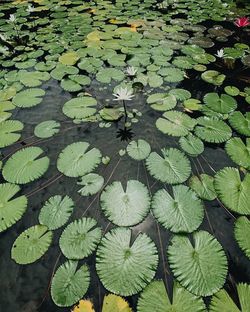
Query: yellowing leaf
[93,36]
[84,306]
[113,303]
[69,58]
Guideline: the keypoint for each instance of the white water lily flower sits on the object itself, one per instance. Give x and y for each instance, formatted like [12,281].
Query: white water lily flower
[131,71]
[12,18]
[30,9]
[220,53]
[123,94]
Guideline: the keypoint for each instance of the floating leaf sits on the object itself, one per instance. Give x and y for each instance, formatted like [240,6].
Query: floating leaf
[183,212]
[105,75]
[84,306]
[25,166]
[241,233]
[8,129]
[138,150]
[212,130]
[80,107]
[200,267]
[110,114]
[213,77]
[231,90]
[192,145]
[80,238]
[47,129]
[172,74]
[125,207]
[126,268]
[28,98]
[11,209]
[69,58]
[56,211]
[203,185]
[234,193]
[31,244]
[155,298]
[115,303]
[240,122]
[172,167]
[162,101]
[92,184]
[239,152]
[180,94]
[69,285]
[223,104]
[175,123]
[76,161]
[221,301]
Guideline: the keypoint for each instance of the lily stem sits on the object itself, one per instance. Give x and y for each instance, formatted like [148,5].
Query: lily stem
[125,110]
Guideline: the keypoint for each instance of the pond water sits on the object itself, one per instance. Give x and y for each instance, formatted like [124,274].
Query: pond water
[79,49]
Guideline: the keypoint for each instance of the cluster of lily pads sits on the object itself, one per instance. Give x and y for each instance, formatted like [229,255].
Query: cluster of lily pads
[129,50]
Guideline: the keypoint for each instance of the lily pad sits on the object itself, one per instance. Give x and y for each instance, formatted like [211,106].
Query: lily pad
[200,267]
[31,244]
[69,285]
[47,129]
[11,209]
[125,207]
[76,160]
[80,238]
[126,267]
[25,166]
[91,184]
[80,107]
[181,213]
[28,98]
[9,132]
[56,211]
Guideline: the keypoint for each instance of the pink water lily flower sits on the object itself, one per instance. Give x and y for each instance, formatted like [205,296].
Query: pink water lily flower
[242,22]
